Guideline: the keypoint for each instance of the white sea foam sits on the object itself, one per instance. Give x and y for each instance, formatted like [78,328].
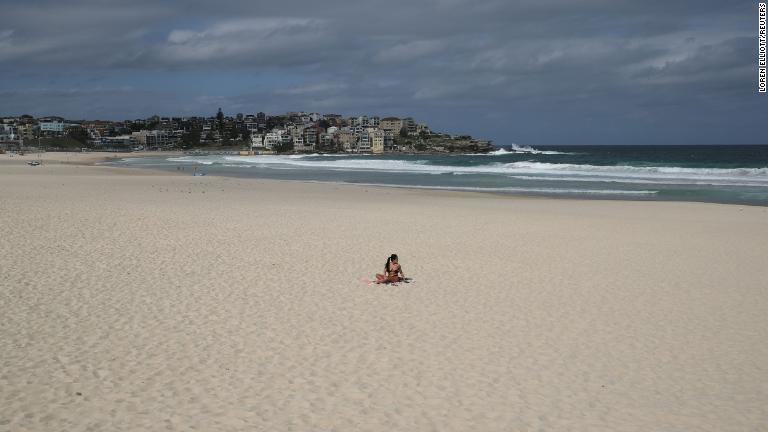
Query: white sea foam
[528,149]
[524,170]
[644,172]
[202,160]
[346,164]
[139,161]
[743,182]
[553,191]
[499,152]
[316,155]
[517,149]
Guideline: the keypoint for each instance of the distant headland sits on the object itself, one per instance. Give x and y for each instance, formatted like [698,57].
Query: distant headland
[289,133]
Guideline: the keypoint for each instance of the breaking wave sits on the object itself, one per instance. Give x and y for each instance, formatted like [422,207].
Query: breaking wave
[659,172]
[528,149]
[524,190]
[521,170]
[524,170]
[517,149]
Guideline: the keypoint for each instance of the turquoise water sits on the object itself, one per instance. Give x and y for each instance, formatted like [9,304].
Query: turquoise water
[726,174]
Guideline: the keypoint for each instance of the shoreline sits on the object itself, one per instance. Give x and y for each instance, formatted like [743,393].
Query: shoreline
[644,196]
[103,159]
[100,160]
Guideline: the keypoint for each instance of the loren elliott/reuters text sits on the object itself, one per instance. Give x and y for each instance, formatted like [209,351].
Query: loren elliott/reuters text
[761,49]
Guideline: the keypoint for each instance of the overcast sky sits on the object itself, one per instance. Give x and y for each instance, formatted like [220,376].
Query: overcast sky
[528,72]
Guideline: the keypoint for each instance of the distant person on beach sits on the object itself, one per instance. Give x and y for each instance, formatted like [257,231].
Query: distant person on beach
[392,271]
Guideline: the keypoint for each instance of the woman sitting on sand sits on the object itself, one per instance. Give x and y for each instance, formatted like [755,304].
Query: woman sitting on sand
[392,271]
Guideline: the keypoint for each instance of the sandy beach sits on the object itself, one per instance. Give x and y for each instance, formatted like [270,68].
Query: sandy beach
[137,300]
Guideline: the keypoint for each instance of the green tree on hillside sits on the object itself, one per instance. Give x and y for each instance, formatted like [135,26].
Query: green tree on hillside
[78,134]
[190,139]
[284,148]
[220,121]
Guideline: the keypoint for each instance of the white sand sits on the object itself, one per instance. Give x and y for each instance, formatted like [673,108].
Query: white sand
[132,300]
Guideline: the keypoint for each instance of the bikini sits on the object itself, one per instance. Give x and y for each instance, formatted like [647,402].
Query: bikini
[393,271]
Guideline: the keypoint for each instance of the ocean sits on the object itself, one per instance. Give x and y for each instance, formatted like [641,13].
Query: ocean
[723,174]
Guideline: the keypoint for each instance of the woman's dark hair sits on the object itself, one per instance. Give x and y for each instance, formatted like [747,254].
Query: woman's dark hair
[389,260]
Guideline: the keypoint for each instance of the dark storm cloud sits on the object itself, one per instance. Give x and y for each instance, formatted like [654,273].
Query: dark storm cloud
[460,65]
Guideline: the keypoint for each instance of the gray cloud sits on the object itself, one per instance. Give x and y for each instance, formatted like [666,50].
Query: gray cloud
[546,62]
[274,41]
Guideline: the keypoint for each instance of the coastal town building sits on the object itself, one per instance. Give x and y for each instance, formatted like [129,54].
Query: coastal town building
[389,141]
[273,140]
[118,143]
[27,131]
[347,140]
[261,120]
[409,125]
[364,143]
[251,125]
[257,140]
[376,138]
[8,132]
[285,139]
[310,137]
[333,119]
[55,127]
[392,124]
[326,141]
[158,138]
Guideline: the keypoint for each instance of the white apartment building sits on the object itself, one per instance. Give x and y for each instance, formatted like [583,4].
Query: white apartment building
[286,139]
[8,132]
[326,140]
[52,127]
[364,144]
[273,139]
[298,143]
[257,140]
